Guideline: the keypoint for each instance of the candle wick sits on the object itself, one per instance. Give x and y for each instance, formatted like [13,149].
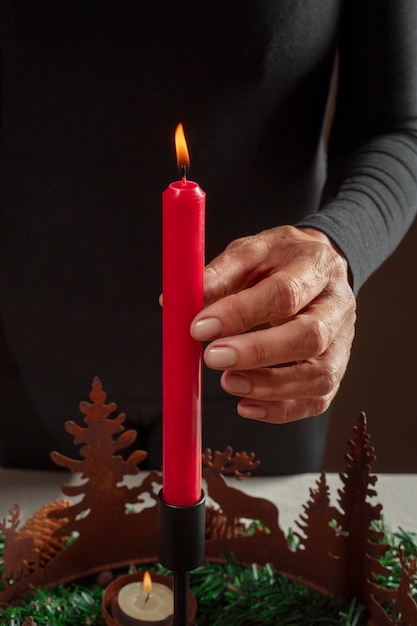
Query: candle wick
[184,173]
[147,597]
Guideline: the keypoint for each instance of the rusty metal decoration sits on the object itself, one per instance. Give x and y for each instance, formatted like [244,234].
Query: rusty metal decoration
[338,552]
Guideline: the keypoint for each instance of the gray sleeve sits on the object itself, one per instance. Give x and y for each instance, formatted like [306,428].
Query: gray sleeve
[370,197]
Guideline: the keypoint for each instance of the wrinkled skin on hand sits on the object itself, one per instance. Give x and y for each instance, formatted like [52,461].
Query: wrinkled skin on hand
[280,317]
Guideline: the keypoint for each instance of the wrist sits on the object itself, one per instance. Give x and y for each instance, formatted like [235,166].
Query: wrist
[319,235]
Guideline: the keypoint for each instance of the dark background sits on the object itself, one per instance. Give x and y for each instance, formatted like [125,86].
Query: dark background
[381,379]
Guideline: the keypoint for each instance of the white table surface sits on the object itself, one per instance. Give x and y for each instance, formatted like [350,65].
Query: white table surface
[396,492]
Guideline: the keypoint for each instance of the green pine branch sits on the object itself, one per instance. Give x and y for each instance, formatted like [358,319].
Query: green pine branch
[228,594]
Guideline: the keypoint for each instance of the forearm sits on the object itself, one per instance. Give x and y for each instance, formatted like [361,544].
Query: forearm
[370,197]
[373,206]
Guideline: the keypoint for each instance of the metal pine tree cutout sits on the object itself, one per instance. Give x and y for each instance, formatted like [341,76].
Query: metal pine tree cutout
[111,524]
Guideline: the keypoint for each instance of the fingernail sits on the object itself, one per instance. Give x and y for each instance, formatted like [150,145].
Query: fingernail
[220,357]
[252,411]
[236,383]
[206,329]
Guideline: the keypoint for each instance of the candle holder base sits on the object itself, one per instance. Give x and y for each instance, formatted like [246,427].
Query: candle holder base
[181,546]
[181,534]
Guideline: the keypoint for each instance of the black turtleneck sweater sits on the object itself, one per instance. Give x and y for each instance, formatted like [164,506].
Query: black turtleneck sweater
[91,94]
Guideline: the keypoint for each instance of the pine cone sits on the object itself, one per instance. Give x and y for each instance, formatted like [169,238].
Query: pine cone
[41,529]
[215,523]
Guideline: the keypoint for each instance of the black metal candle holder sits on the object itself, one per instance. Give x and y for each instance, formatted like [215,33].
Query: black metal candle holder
[181,547]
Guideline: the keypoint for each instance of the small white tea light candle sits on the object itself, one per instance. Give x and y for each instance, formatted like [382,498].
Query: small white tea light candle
[146,602]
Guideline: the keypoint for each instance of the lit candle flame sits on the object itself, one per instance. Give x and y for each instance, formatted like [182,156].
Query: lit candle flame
[147,582]
[147,586]
[183,159]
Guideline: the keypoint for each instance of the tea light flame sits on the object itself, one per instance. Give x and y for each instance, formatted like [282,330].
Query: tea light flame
[147,582]
[147,585]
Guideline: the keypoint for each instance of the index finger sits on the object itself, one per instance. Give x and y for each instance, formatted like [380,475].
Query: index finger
[272,300]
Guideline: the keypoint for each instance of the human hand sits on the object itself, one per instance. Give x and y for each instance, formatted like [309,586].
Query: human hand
[280,317]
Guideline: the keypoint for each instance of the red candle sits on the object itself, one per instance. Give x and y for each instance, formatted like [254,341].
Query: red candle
[183,212]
